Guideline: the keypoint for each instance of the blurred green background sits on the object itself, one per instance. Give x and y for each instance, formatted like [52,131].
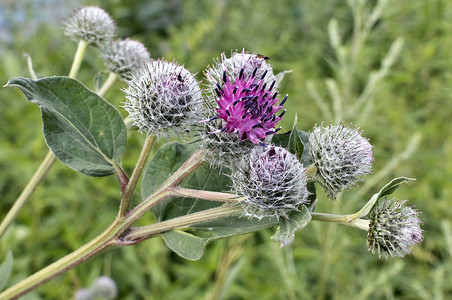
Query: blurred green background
[384,65]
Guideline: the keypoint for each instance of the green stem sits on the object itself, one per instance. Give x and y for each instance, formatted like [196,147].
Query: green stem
[48,161]
[150,231]
[96,245]
[206,195]
[111,236]
[81,48]
[187,168]
[28,191]
[107,85]
[349,220]
[130,188]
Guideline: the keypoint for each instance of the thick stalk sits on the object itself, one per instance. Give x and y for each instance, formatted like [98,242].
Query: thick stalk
[187,168]
[348,220]
[40,173]
[48,161]
[150,231]
[108,83]
[96,245]
[130,188]
[206,195]
[81,48]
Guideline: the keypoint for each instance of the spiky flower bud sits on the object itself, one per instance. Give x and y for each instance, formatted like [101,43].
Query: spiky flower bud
[341,155]
[104,287]
[124,56]
[83,294]
[91,24]
[273,182]
[242,109]
[394,229]
[163,97]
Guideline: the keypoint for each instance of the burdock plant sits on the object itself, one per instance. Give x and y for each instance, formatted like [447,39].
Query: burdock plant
[267,177]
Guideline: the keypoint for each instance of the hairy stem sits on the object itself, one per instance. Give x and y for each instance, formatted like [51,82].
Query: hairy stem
[96,245]
[81,48]
[108,83]
[39,175]
[150,231]
[348,220]
[112,235]
[206,195]
[130,188]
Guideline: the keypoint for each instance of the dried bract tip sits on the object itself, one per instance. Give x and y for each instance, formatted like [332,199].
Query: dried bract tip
[124,56]
[394,229]
[91,24]
[273,182]
[163,97]
[341,155]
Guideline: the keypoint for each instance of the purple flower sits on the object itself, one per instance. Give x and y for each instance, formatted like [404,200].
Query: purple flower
[248,108]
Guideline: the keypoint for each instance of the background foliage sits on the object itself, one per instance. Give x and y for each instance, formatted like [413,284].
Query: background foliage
[325,261]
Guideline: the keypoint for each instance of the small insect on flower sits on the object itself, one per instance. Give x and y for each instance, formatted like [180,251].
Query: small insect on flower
[341,155]
[394,229]
[91,24]
[272,181]
[163,97]
[262,56]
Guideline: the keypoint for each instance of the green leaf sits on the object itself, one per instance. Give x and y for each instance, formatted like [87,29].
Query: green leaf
[296,141]
[295,145]
[191,243]
[288,226]
[386,190]
[5,269]
[83,130]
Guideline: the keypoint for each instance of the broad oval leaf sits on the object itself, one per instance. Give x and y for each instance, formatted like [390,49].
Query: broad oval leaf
[82,130]
[191,243]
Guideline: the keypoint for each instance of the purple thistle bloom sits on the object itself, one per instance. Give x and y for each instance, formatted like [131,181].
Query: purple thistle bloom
[248,107]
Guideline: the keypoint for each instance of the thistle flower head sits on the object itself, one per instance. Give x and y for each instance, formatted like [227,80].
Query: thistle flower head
[239,62]
[243,108]
[104,287]
[394,229]
[273,182]
[341,155]
[91,24]
[124,56]
[162,97]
